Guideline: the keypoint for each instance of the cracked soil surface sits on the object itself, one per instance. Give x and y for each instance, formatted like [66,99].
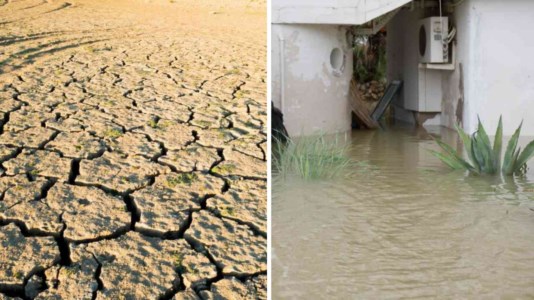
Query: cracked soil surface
[132,149]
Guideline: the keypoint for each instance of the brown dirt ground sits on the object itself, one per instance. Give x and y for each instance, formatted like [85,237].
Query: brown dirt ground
[133,149]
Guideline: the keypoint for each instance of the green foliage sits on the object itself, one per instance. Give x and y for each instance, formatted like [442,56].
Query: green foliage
[485,158]
[183,178]
[310,158]
[370,60]
[112,133]
[225,168]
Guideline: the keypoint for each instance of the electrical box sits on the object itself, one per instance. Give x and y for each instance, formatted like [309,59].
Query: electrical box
[433,35]
[423,93]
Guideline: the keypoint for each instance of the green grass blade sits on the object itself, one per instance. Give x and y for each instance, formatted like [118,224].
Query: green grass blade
[507,166]
[524,157]
[497,146]
[311,158]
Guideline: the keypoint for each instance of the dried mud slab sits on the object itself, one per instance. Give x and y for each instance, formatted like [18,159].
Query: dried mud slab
[173,135]
[35,137]
[77,145]
[131,119]
[77,281]
[66,109]
[137,267]
[167,110]
[165,207]
[192,158]
[239,164]
[7,153]
[21,203]
[216,138]
[247,124]
[39,163]
[7,104]
[66,124]
[118,173]
[23,256]
[134,144]
[110,103]
[234,247]
[249,144]
[88,212]
[188,294]
[233,288]
[211,117]
[245,202]
[225,86]
[26,118]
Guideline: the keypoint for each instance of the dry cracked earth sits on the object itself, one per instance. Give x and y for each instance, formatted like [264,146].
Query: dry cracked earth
[132,149]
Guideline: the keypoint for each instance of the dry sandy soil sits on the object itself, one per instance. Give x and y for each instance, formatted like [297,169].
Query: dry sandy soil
[132,149]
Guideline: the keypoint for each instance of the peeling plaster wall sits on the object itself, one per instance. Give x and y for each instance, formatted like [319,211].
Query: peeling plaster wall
[498,63]
[316,99]
[455,86]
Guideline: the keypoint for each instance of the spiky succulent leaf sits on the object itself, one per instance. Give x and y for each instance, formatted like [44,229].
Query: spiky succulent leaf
[497,146]
[477,155]
[524,157]
[466,140]
[484,146]
[452,154]
[448,160]
[482,153]
[507,165]
[483,136]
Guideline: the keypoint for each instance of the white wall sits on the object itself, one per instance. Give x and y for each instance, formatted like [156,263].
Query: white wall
[499,63]
[315,99]
[340,12]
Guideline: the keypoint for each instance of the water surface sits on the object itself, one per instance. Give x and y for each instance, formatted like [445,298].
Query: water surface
[403,226]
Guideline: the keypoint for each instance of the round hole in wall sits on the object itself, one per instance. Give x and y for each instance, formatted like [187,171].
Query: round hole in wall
[422,40]
[337,60]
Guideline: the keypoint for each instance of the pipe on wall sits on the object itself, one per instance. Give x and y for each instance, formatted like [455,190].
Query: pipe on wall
[282,73]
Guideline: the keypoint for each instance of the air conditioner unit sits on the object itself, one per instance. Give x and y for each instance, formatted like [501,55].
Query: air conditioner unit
[433,46]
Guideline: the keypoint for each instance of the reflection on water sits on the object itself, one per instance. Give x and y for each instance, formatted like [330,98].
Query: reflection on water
[403,226]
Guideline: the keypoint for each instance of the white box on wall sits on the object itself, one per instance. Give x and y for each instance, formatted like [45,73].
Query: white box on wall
[428,95]
[433,47]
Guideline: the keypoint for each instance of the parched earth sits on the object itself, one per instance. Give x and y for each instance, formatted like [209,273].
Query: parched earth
[133,149]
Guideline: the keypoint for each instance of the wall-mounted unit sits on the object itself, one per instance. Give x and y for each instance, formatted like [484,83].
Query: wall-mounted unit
[433,45]
[425,95]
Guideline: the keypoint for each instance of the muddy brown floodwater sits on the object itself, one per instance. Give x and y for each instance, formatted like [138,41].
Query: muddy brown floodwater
[403,226]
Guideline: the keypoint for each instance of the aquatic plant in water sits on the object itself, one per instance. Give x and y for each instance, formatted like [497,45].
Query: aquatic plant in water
[485,159]
[310,158]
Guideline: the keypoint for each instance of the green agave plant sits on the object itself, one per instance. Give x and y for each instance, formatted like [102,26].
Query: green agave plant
[485,158]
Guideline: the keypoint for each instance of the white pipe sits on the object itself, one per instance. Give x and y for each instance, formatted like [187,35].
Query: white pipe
[282,73]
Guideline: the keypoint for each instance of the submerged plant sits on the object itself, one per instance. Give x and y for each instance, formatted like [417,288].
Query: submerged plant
[310,158]
[485,158]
